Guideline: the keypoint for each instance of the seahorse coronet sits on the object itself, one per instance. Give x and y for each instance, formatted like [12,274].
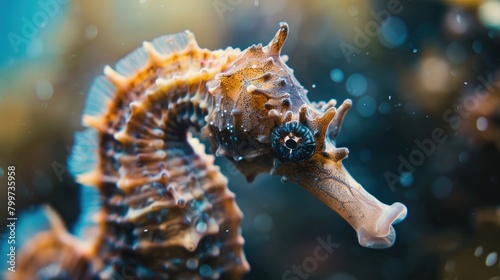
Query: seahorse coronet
[164,209]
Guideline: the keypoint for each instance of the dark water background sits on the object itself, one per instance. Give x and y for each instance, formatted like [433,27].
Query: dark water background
[432,67]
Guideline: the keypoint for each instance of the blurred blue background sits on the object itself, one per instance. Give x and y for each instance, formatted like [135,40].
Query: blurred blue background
[410,67]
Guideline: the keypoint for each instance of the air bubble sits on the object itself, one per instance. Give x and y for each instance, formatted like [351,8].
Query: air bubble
[482,124]
[201,227]
[393,32]
[491,259]
[356,85]
[406,179]
[205,271]
[337,75]
[192,264]
[477,47]
[384,108]
[479,251]
[91,32]
[463,157]
[44,90]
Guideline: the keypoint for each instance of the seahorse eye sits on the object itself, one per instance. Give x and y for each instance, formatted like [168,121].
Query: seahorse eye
[293,141]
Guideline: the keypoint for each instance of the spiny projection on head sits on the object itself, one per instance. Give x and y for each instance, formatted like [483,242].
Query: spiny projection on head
[156,206]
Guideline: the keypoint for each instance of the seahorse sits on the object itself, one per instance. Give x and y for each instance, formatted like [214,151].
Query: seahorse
[156,206]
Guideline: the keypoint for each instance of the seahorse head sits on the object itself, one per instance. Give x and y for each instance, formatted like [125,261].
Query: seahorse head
[263,122]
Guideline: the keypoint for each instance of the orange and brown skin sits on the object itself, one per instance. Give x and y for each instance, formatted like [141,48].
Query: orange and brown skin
[167,210]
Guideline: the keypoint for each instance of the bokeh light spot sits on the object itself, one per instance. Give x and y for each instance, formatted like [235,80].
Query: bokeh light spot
[263,222]
[384,108]
[91,32]
[393,32]
[477,47]
[44,90]
[356,85]
[337,75]
[441,187]
[491,259]
[482,124]
[456,53]
[406,179]
[488,14]
[367,106]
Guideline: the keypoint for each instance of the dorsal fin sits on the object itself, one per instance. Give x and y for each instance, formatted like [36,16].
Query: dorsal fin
[100,93]
[103,88]
[173,42]
[84,155]
[133,62]
[83,159]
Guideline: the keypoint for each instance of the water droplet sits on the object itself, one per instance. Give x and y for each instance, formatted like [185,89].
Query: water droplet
[479,251]
[356,85]
[465,83]
[463,157]
[313,86]
[393,32]
[482,124]
[205,271]
[337,75]
[384,108]
[201,227]
[491,259]
[192,263]
[214,251]
[91,32]
[406,179]
[415,50]
[44,90]
[477,47]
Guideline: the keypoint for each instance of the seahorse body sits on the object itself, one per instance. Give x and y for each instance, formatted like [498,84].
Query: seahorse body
[164,210]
